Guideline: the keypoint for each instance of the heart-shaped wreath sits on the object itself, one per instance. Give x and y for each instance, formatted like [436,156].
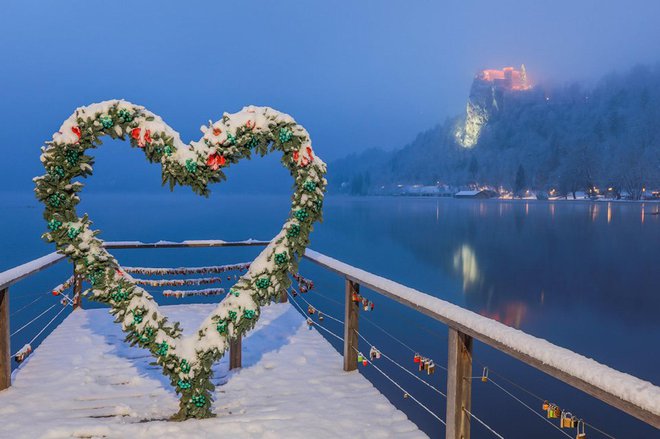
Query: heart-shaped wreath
[186,361]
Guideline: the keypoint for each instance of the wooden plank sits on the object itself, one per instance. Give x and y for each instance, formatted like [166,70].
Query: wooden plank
[367,279]
[16,274]
[459,385]
[351,312]
[235,360]
[77,290]
[5,359]
[182,244]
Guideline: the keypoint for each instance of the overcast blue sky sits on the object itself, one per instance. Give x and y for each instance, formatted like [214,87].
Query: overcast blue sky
[357,74]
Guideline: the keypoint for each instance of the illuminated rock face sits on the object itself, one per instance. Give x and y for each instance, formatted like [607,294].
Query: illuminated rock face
[488,88]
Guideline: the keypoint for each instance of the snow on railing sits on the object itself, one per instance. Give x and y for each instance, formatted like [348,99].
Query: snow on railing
[13,275]
[543,354]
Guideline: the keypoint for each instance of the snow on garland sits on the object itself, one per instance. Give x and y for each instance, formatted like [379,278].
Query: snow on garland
[253,130]
[180,294]
[152,271]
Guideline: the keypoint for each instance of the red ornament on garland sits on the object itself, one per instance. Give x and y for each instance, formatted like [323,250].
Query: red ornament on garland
[76,131]
[135,133]
[215,160]
[217,131]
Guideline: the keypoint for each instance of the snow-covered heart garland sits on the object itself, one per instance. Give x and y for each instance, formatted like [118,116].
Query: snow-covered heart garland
[253,130]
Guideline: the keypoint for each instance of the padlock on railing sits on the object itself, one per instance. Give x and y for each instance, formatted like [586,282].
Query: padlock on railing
[430,369]
[581,434]
[484,375]
[567,420]
[557,413]
[546,406]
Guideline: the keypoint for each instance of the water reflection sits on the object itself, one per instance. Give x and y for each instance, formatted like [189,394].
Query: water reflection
[511,313]
[609,213]
[465,264]
[593,208]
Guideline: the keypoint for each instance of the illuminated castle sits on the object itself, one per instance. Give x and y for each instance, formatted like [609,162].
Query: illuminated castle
[507,78]
[486,96]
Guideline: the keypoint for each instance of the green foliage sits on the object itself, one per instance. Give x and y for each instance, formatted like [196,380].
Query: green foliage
[65,159]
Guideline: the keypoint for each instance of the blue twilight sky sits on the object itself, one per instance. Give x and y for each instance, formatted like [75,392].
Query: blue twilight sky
[357,74]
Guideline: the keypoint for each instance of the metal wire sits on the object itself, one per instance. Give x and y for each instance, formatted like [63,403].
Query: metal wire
[32,321]
[490,380]
[482,423]
[39,297]
[403,368]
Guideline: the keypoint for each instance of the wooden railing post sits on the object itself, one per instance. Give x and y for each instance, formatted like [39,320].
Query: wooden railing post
[459,385]
[5,359]
[284,297]
[235,346]
[351,311]
[77,289]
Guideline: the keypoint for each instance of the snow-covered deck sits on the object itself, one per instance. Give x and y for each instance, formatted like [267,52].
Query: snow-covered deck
[84,381]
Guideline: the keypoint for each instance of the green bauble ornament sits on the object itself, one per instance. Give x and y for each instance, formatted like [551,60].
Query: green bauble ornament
[262,283]
[137,317]
[54,224]
[57,171]
[162,348]
[231,139]
[72,157]
[106,121]
[199,400]
[232,315]
[248,313]
[168,150]
[280,258]
[302,214]
[285,135]
[309,186]
[125,115]
[120,295]
[184,366]
[183,384]
[221,327]
[73,233]
[55,200]
[191,166]
[294,230]
[253,142]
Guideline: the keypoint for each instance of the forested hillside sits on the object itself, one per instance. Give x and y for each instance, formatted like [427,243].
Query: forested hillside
[570,137]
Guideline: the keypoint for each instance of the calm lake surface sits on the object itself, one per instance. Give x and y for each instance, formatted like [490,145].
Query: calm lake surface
[582,275]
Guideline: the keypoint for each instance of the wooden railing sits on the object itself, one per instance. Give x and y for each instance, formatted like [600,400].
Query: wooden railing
[464,326]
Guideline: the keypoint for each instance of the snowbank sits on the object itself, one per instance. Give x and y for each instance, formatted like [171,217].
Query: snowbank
[84,381]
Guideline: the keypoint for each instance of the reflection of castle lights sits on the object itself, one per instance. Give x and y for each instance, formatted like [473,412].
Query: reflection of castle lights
[511,314]
[465,263]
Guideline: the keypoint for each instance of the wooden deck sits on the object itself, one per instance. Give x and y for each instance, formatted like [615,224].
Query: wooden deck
[84,382]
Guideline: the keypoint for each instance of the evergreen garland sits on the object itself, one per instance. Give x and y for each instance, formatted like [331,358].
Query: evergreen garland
[254,130]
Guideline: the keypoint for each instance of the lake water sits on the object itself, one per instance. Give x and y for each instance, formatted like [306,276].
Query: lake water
[582,275]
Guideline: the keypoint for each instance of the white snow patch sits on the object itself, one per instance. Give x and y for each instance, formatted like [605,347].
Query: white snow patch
[84,381]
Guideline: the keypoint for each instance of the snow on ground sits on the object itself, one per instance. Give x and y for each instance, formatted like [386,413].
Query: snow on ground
[83,381]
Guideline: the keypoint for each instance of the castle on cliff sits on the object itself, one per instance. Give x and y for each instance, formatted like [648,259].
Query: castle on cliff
[487,94]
